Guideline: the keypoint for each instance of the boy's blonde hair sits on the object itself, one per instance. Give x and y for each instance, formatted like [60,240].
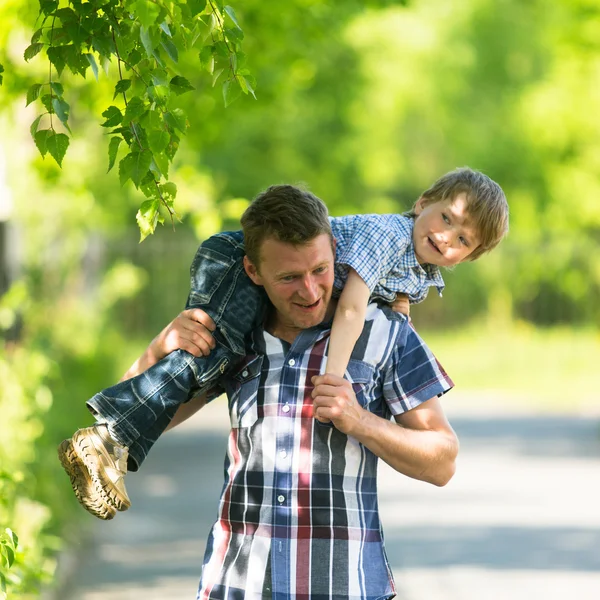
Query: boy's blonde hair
[486,204]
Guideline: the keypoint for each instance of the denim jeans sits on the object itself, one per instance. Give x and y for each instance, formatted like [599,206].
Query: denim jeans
[138,410]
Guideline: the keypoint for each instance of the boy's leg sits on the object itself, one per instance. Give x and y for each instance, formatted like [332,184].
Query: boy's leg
[96,457]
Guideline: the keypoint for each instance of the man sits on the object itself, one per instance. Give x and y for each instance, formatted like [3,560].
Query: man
[298,516]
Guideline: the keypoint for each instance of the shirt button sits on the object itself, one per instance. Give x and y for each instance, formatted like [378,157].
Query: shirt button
[280,499]
[291,362]
[245,374]
[286,408]
[283,454]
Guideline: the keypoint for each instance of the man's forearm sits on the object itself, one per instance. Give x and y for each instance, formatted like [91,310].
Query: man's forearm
[144,362]
[427,455]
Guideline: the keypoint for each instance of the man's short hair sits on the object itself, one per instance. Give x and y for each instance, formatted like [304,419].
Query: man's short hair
[284,213]
[486,204]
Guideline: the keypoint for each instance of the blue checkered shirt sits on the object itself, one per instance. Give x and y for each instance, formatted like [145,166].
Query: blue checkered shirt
[298,517]
[381,250]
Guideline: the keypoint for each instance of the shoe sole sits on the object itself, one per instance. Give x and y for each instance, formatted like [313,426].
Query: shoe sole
[85,490]
[87,458]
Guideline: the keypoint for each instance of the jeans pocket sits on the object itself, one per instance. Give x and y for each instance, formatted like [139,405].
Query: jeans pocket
[243,387]
[208,270]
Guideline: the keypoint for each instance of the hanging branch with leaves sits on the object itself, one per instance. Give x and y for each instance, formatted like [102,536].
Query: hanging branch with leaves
[142,40]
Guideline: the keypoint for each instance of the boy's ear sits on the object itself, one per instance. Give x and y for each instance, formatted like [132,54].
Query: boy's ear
[252,271]
[419,206]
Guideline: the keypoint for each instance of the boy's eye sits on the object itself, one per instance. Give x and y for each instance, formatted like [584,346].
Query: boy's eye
[464,242]
[445,217]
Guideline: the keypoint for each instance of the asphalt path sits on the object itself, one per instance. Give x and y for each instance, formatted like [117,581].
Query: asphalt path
[520,520]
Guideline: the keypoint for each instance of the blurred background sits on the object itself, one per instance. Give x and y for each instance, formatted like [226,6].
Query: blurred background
[367,103]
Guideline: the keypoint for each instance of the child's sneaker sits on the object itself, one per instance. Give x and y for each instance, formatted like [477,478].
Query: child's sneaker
[96,465]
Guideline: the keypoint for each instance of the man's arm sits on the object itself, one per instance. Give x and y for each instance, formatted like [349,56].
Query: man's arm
[420,444]
[189,331]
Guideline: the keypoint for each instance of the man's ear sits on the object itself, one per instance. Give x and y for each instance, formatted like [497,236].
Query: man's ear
[252,271]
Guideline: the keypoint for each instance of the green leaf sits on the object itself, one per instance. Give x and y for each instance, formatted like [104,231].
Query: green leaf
[13,537]
[40,139]
[216,76]
[48,6]
[165,27]
[47,102]
[35,125]
[176,119]
[196,6]
[122,86]
[180,85]
[37,35]
[147,217]
[231,14]
[146,12]
[113,148]
[159,94]
[147,42]
[221,49]
[113,117]
[231,91]
[57,144]
[32,51]
[56,55]
[158,141]
[161,164]
[207,59]
[10,555]
[92,60]
[1,71]
[170,48]
[33,93]
[134,57]
[61,108]
[169,189]
[135,109]
[57,88]
[134,166]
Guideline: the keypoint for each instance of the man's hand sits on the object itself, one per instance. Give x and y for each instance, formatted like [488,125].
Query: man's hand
[191,331]
[334,401]
[401,304]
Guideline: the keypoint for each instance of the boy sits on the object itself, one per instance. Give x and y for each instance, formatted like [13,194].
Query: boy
[463,215]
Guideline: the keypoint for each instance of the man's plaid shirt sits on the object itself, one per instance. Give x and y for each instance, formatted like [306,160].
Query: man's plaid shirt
[298,516]
[381,250]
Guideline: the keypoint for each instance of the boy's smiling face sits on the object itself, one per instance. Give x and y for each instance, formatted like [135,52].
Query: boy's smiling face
[443,234]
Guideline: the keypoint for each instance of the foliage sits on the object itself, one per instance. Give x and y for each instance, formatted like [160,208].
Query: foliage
[145,39]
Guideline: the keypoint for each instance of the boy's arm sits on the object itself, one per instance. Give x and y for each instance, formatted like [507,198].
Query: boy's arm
[189,331]
[348,323]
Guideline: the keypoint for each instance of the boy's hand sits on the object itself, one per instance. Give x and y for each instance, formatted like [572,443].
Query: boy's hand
[401,304]
[189,331]
[334,400]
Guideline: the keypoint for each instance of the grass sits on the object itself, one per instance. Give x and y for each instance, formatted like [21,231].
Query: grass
[557,369]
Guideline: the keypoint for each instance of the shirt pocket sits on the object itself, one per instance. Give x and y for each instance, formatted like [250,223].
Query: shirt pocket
[362,377]
[242,391]
[208,270]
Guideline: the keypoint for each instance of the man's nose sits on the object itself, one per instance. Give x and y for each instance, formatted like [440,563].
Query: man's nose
[309,290]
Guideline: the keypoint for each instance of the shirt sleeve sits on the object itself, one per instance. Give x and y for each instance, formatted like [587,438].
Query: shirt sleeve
[412,375]
[371,250]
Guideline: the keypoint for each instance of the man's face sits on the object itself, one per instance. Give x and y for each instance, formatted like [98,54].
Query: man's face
[298,281]
[443,234]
